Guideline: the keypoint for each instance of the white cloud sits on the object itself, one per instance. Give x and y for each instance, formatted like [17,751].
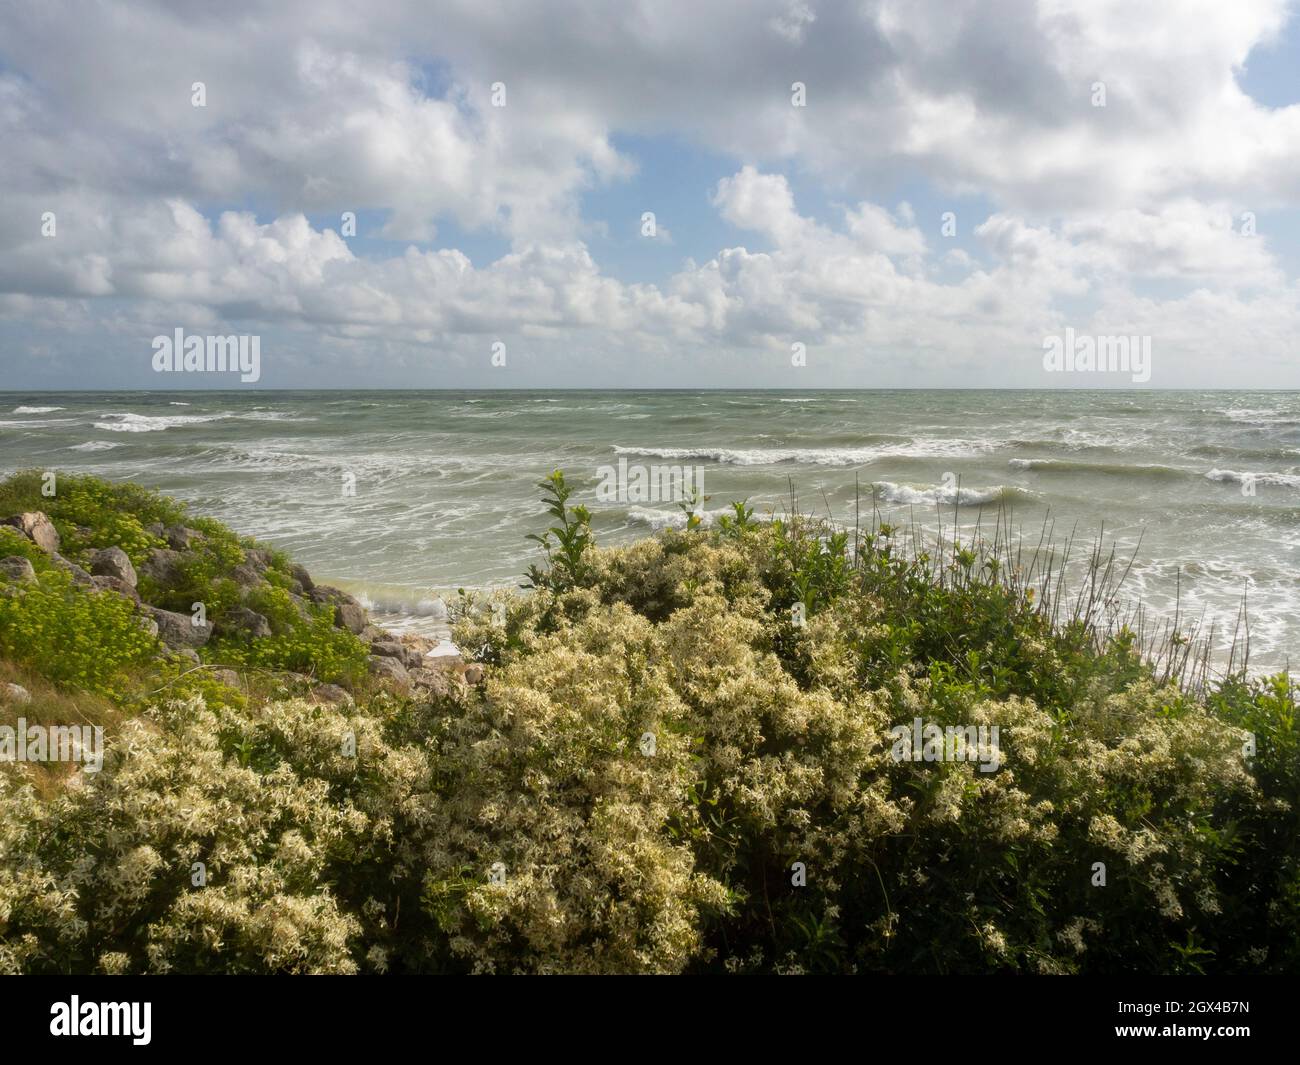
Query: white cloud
[1128,214]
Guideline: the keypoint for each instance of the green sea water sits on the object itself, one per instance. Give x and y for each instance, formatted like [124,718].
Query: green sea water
[403,496]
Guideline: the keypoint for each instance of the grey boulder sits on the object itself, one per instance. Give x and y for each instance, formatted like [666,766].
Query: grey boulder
[179,630]
[113,562]
[17,569]
[240,621]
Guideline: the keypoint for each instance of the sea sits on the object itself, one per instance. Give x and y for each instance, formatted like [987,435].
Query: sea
[405,496]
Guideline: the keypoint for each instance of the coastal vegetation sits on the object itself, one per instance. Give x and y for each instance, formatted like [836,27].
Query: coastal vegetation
[673,756]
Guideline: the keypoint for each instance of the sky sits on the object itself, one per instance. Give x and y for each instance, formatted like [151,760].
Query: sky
[659,194]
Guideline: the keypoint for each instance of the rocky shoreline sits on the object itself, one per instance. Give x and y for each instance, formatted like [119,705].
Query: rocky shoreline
[401,662]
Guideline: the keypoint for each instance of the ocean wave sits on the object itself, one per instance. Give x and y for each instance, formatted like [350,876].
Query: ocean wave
[1285,480]
[270,416]
[37,410]
[94,445]
[675,519]
[1255,454]
[944,494]
[1259,415]
[143,423]
[154,423]
[1120,469]
[815,456]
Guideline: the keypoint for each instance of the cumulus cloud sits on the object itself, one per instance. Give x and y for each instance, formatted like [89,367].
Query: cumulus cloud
[1123,218]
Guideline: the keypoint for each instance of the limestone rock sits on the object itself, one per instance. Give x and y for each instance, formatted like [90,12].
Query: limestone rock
[162,566]
[17,569]
[38,529]
[436,681]
[247,576]
[180,537]
[259,558]
[391,671]
[114,584]
[350,616]
[178,630]
[79,575]
[330,693]
[240,621]
[113,562]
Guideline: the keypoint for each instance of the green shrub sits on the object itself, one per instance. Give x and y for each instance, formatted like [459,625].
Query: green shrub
[664,771]
[91,513]
[310,644]
[73,636]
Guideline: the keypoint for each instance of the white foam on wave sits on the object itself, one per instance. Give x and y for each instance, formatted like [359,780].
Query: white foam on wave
[94,445]
[939,494]
[670,519]
[143,423]
[1285,480]
[37,410]
[816,456]
[1256,415]
[155,423]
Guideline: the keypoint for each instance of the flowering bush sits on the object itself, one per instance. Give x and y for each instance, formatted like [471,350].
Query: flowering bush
[671,768]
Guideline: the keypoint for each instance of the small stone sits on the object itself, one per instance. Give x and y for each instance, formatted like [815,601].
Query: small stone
[389,648]
[38,529]
[299,574]
[473,673]
[228,677]
[188,655]
[113,562]
[15,693]
[18,569]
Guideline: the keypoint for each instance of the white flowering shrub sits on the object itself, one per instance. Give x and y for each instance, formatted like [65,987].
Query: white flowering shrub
[664,772]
